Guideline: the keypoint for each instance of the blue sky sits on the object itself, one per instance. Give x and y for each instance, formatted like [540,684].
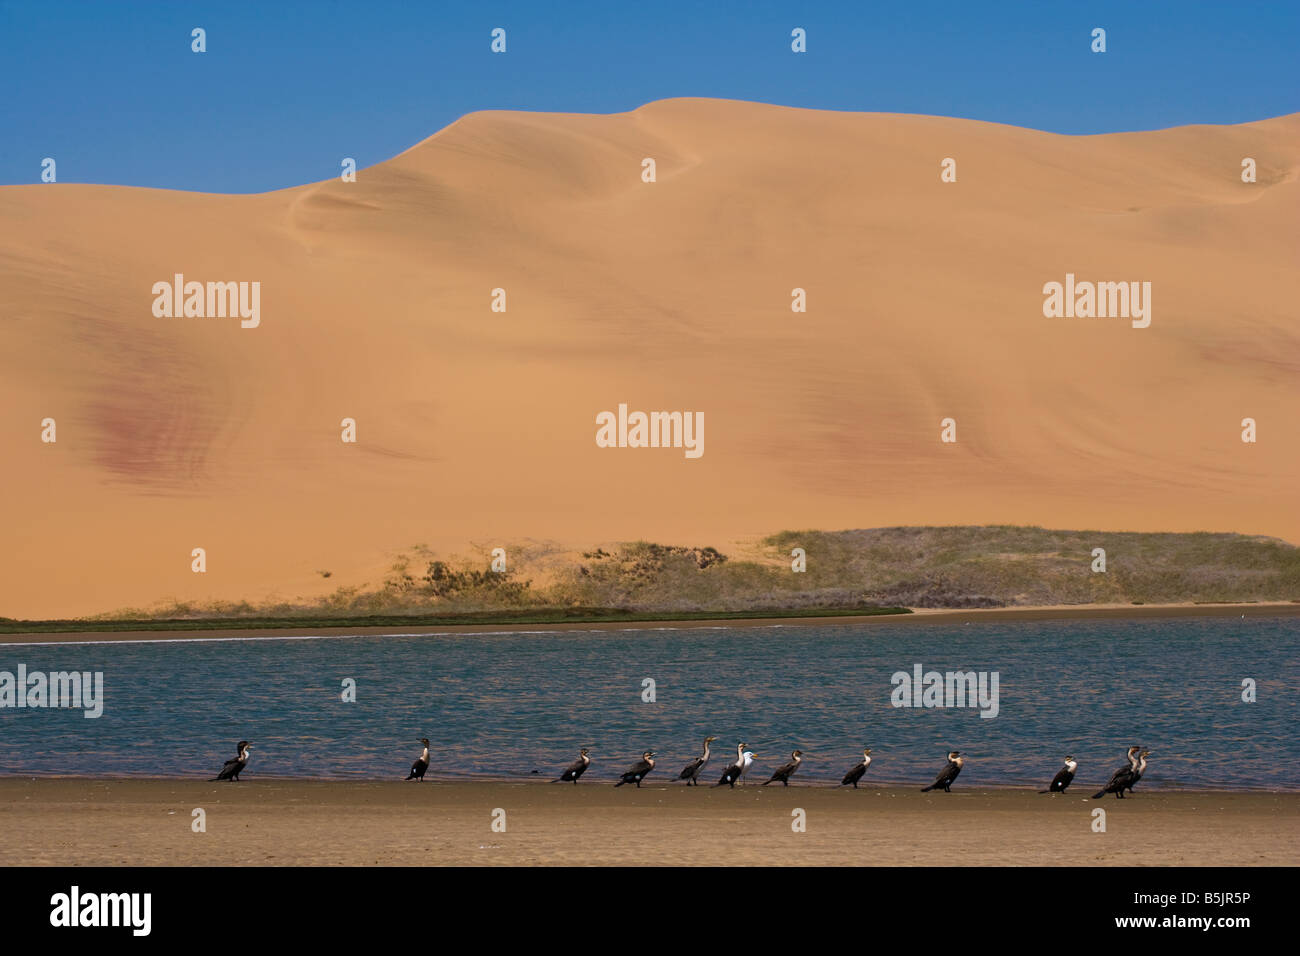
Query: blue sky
[113,92]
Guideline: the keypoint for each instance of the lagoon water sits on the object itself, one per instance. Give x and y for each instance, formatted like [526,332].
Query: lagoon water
[519,705]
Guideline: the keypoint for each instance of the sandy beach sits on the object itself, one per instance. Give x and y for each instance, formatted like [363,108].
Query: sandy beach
[270,822]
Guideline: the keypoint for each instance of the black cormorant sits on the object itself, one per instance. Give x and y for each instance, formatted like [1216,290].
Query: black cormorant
[1063,776]
[421,763]
[786,770]
[691,772]
[736,771]
[731,773]
[1139,768]
[233,767]
[1124,778]
[857,770]
[949,773]
[576,769]
[1121,777]
[638,771]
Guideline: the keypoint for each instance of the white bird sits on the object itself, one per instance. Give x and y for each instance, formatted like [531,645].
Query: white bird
[746,761]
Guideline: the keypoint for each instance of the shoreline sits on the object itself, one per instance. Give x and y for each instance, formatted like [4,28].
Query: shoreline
[277,822]
[453,779]
[916,616]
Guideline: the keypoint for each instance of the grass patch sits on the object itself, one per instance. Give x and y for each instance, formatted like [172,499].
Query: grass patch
[543,616]
[879,570]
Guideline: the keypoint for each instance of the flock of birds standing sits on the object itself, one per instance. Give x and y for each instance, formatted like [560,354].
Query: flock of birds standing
[1125,778]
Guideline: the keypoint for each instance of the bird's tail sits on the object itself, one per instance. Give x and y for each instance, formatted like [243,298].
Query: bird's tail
[927,789]
[620,783]
[1099,794]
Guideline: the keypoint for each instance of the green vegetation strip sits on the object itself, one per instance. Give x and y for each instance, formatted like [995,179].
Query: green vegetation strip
[543,616]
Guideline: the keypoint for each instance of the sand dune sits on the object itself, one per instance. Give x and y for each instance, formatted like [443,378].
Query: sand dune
[924,301]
